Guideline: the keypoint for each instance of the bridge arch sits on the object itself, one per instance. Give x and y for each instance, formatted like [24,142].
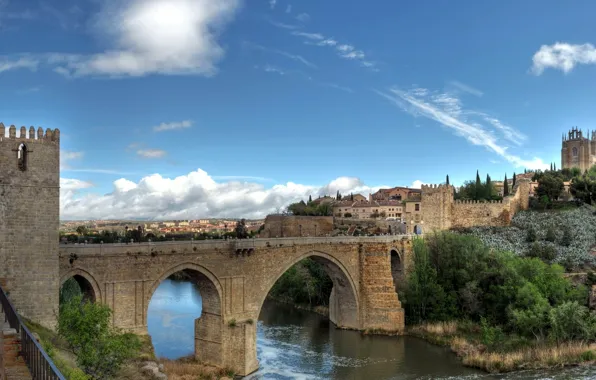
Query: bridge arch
[89,286]
[344,302]
[397,267]
[209,325]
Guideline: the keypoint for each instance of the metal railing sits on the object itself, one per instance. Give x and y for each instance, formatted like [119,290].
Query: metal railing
[38,361]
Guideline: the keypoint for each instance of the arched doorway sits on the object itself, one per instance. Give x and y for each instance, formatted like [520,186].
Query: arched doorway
[397,269]
[184,314]
[79,282]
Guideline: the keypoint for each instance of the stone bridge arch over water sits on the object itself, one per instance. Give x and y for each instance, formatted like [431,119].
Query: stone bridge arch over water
[234,278]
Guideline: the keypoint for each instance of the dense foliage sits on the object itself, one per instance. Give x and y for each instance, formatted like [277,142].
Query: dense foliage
[99,347]
[312,208]
[478,190]
[569,233]
[305,283]
[459,277]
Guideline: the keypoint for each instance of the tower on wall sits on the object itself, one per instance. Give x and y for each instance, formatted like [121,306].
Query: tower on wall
[29,220]
[437,201]
[578,151]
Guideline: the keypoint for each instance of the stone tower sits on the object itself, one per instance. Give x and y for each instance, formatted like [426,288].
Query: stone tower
[437,201]
[29,220]
[578,151]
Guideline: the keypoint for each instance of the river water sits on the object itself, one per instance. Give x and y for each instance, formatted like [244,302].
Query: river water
[296,344]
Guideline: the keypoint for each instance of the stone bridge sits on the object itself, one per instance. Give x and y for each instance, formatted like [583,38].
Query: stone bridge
[234,278]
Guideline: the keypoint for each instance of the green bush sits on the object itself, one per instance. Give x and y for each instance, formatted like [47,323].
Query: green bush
[551,234]
[571,321]
[531,235]
[542,251]
[100,348]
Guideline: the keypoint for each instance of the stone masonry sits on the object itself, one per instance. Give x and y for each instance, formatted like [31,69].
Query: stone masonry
[442,212]
[234,278]
[297,226]
[29,220]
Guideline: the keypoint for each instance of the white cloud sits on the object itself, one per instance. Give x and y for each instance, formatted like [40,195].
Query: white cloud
[311,36]
[151,153]
[74,184]
[303,17]
[173,125]
[66,157]
[447,110]
[417,184]
[465,88]
[291,56]
[196,195]
[156,37]
[289,9]
[284,26]
[563,56]
[7,64]
[272,3]
[342,50]
[271,69]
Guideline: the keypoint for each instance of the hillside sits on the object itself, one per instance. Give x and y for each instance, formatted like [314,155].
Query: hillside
[581,225]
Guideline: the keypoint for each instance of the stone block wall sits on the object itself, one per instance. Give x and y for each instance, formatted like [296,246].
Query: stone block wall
[29,221]
[296,226]
[441,212]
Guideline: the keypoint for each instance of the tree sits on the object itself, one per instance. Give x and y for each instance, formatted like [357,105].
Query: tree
[551,166]
[352,197]
[100,348]
[479,193]
[82,230]
[550,186]
[309,198]
[505,186]
[489,186]
[513,183]
[447,181]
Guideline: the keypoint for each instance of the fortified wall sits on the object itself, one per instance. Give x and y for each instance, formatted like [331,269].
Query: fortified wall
[296,226]
[441,212]
[29,220]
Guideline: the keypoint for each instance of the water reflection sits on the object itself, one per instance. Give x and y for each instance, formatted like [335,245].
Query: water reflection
[170,322]
[294,344]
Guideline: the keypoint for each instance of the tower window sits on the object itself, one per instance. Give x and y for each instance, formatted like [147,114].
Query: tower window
[574,151]
[22,157]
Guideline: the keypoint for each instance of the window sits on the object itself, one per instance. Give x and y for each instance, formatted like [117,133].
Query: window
[417,207]
[574,151]
[22,157]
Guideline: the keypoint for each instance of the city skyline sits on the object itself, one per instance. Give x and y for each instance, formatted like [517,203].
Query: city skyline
[184,109]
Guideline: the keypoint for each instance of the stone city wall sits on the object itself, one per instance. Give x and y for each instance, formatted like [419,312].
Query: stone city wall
[442,212]
[296,226]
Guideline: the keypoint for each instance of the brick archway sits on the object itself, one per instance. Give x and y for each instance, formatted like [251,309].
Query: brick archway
[89,286]
[344,302]
[209,325]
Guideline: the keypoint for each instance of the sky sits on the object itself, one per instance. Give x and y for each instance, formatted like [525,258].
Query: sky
[187,109]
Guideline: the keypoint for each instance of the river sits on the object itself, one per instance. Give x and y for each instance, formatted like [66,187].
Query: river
[297,344]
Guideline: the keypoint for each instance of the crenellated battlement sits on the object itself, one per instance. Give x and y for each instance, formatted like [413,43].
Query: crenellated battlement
[31,134]
[436,188]
[470,201]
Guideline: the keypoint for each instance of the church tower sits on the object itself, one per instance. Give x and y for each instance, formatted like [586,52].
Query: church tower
[578,151]
[29,221]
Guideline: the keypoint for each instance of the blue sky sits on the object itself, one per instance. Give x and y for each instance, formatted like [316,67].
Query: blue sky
[194,108]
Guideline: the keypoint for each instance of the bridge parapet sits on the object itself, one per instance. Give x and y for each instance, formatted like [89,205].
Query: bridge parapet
[228,245]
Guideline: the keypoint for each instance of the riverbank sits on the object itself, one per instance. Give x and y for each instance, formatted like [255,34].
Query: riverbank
[321,310]
[188,368]
[510,354]
[66,362]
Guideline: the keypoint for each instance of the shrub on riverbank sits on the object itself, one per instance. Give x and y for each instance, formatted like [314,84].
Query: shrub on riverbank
[188,368]
[512,352]
[517,308]
[100,348]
